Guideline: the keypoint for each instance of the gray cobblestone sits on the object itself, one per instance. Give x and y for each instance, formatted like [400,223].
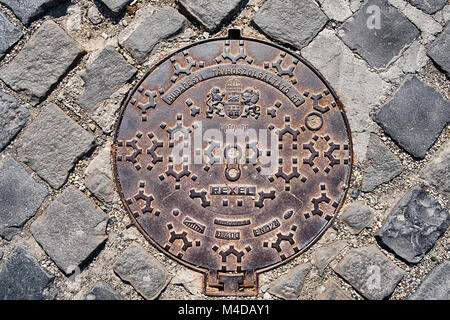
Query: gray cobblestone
[72,228]
[333,292]
[327,253]
[338,10]
[370,272]
[143,271]
[437,171]
[104,76]
[357,216]
[413,127]
[21,278]
[429,6]
[427,24]
[438,50]
[363,34]
[99,176]
[159,26]
[142,15]
[20,198]
[51,145]
[48,55]
[9,34]
[102,291]
[290,285]
[116,6]
[414,225]
[13,117]
[210,13]
[383,165]
[290,21]
[94,15]
[436,285]
[29,10]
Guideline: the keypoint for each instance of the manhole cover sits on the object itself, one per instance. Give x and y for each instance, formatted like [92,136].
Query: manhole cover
[232,155]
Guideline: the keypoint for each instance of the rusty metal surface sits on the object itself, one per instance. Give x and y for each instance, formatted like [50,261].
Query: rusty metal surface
[198,178]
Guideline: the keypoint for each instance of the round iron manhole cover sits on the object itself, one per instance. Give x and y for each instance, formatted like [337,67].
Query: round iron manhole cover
[232,155]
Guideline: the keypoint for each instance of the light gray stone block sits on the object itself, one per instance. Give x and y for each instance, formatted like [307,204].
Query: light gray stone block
[289,286]
[71,229]
[290,21]
[159,26]
[146,274]
[370,272]
[211,13]
[382,167]
[108,73]
[52,144]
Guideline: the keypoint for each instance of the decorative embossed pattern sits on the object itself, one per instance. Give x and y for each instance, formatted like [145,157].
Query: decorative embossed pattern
[233,204]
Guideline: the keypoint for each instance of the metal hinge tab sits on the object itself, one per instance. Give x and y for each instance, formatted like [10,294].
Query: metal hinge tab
[219,283]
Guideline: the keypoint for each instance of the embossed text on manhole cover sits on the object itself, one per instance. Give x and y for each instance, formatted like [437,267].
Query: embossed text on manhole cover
[232,155]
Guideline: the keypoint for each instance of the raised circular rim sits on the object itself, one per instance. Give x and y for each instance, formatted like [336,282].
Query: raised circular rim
[229,37]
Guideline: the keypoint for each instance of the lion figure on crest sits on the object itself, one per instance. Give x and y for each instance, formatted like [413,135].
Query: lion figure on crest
[214,103]
[249,99]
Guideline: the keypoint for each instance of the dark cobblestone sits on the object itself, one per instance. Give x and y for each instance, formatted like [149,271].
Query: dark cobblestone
[414,225]
[412,126]
[429,6]
[29,10]
[21,277]
[371,43]
[438,50]
[13,117]
[20,198]
[9,34]
[436,285]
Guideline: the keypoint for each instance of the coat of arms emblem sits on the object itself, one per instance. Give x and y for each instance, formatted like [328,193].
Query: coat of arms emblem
[234,102]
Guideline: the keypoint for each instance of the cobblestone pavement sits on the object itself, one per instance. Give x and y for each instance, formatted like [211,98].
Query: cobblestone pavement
[66,66]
